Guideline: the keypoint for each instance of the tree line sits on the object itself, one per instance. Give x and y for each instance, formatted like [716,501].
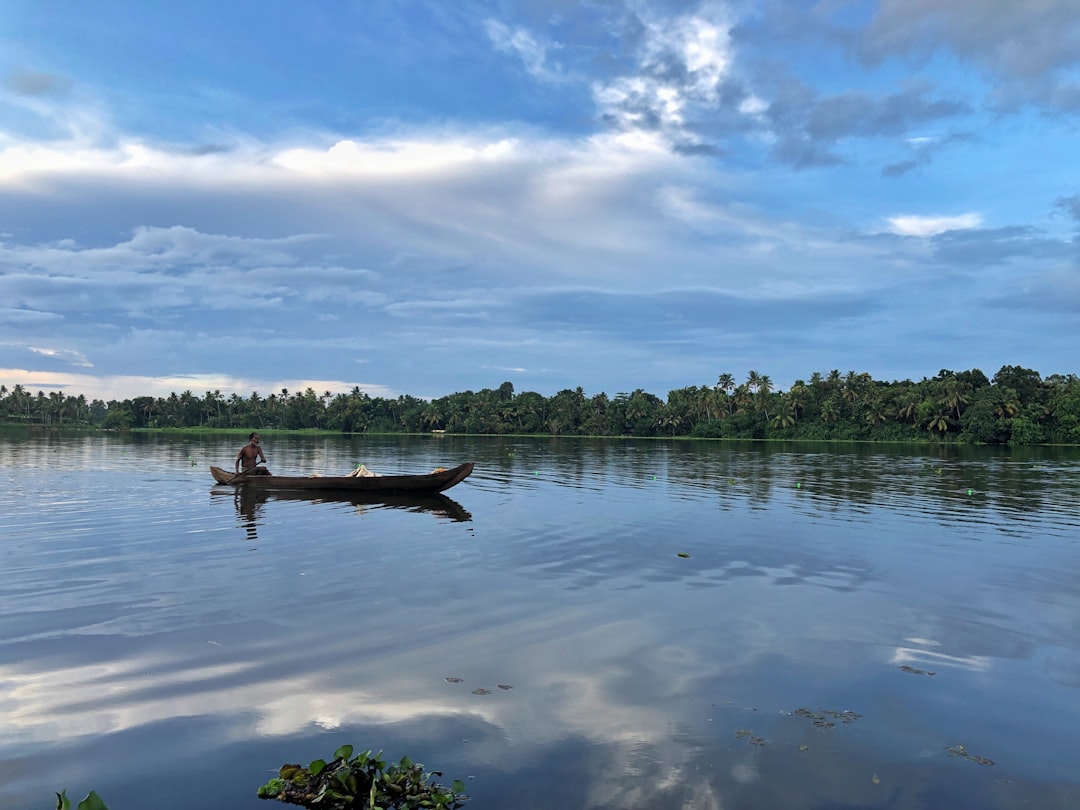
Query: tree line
[1016,406]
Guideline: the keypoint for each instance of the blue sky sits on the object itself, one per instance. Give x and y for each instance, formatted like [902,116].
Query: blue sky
[421,197]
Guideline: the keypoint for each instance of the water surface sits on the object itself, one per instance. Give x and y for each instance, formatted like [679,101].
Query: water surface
[843,619]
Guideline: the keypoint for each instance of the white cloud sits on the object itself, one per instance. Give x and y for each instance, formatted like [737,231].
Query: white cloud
[70,356]
[910,225]
[532,52]
[392,158]
[681,65]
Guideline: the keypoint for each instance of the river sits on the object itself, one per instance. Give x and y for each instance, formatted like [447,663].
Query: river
[580,624]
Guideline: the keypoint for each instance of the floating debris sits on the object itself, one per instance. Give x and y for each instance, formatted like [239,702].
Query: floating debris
[744,734]
[960,751]
[452,679]
[913,671]
[504,686]
[481,691]
[827,718]
[683,554]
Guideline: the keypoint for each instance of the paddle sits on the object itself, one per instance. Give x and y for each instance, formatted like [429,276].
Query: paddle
[244,472]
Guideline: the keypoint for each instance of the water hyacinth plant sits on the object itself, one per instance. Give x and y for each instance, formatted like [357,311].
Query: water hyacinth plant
[91,802]
[363,781]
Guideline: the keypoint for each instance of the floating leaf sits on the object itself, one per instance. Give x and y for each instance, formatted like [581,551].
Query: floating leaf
[452,679]
[344,752]
[481,691]
[960,751]
[504,686]
[683,554]
[826,717]
[914,671]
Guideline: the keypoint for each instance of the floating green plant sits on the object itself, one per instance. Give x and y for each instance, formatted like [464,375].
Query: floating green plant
[960,751]
[363,781]
[827,718]
[91,802]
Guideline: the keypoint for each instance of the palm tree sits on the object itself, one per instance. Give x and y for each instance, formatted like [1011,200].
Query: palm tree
[875,414]
[725,384]
[938,422]
[705,398]
[764,389]
[954,395]
[796,398]
[830,411]
[907,408]
[1007,407]
[785,418]
[740,399]
[851,390]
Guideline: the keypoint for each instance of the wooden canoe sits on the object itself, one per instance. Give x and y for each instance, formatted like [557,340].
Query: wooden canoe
[428,482]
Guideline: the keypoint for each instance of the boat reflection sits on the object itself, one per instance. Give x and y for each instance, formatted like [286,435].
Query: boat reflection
[251,502]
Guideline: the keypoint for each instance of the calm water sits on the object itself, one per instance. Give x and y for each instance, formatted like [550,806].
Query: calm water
[170,644]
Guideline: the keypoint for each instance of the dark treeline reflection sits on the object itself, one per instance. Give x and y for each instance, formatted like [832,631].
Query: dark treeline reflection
[1016,406]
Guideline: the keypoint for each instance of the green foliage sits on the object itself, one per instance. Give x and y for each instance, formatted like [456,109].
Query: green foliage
[365,780]
[91,802]
[952,406]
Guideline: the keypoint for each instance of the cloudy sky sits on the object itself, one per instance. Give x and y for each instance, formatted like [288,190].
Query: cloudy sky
[419,197]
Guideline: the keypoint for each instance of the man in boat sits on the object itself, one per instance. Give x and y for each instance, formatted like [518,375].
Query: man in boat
[250,455]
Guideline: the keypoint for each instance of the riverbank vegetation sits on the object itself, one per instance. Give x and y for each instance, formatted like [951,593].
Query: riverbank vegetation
[1016,406]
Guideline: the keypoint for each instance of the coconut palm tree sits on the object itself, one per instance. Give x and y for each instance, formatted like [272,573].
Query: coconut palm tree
[875,414]
[939,422]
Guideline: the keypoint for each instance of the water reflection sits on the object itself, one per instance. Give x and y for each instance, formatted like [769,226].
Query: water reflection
[131,621]
[251,502]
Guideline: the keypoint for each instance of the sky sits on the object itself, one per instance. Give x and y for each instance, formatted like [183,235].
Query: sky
[420,197]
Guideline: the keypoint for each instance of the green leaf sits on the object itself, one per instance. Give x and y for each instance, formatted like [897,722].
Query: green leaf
[316,767]
[92,802]
[457,786]
[271,789]
[344,752]
[62,801]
